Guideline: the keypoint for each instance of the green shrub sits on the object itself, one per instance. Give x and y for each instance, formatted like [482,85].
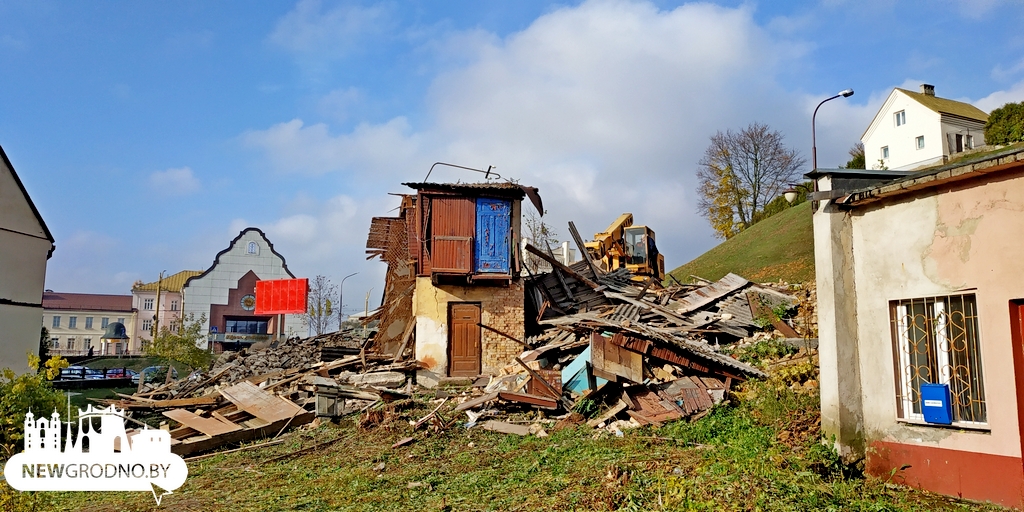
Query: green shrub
[1005,124]
[20,394]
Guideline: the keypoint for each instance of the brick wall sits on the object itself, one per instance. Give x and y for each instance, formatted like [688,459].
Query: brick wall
[502,310]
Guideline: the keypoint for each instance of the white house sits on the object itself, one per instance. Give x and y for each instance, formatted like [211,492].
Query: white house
[25,245]
[918,129]
[226,293]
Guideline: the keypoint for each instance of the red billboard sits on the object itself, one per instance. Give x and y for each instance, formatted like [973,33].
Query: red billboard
[281,296]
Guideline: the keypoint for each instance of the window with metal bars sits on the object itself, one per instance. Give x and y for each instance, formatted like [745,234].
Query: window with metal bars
[936,340]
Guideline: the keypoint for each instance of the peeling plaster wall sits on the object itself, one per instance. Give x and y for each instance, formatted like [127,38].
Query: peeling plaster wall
[965,237]
[501,308]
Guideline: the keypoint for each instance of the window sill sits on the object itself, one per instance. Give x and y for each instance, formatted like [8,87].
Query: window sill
[980,428]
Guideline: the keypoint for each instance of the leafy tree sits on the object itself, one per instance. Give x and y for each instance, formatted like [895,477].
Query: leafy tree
[1005,124]
[184,345]
[857,160]
[323,295]
[740,173]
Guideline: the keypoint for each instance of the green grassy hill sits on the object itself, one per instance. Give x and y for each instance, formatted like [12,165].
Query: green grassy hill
[779,247]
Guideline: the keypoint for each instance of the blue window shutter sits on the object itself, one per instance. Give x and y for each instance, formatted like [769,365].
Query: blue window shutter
[493,230]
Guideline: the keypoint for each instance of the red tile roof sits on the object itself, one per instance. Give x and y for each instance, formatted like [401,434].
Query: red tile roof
[87,301]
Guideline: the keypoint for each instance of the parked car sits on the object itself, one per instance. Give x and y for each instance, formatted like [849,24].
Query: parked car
[121,373]
[80,372]
[155,374]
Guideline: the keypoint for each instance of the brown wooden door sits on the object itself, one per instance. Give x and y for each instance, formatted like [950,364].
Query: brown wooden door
[464,340]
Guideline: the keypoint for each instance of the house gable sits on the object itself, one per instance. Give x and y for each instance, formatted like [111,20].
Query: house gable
[17,211]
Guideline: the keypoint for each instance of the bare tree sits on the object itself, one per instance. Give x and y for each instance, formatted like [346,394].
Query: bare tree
[320,305]
[740,173]
[540,235]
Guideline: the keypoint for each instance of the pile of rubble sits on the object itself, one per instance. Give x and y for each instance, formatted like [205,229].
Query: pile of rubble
[249,396]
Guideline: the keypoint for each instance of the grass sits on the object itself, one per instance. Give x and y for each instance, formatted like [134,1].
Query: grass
[780,247]
[763,454]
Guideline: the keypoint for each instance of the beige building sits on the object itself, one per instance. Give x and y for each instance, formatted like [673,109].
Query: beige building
[25,245]
[920,310]
[77,321]
[154,312]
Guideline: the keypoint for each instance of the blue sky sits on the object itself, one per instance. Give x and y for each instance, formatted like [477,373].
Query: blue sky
[149,134]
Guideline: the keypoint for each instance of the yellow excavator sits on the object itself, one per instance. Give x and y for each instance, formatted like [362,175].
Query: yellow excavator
[624,245]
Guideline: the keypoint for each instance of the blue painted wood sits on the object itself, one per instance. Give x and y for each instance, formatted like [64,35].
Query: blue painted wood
[493,230]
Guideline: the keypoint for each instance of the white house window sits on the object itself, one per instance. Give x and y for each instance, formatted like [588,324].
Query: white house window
[885,152]
[71,343]
[72,322]
[920,141]
[936,340]
[104,322]
[147,325]
[147,304]
[88,322]
[252,248]
[86,343]
[56,321]
[174,305]
[901,118]
[969,142]
[55,342]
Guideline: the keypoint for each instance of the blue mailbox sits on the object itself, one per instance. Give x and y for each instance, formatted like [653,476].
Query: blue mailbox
[935,403]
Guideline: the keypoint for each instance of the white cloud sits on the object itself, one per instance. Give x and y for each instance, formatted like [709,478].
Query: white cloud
[1015,94]
[606,106]
[339,103]
[334,33]
[294,147]
[178,181]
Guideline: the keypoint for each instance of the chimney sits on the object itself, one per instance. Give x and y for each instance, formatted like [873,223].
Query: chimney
[928,89]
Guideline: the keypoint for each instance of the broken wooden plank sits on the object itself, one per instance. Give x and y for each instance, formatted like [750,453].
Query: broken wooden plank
[207,442]
[480,400]
[259,403]
[505,428]
[406,336]
[209,426]
[526,398]
[557,264]
[609,414]
[613,362]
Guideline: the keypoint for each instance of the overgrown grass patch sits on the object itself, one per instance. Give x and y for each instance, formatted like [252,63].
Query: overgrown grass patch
[761,453]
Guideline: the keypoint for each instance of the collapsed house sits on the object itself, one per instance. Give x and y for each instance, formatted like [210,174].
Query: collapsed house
[457,309]
[454,295]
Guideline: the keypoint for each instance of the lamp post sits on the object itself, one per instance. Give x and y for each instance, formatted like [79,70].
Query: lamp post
[341,300]
[814,143]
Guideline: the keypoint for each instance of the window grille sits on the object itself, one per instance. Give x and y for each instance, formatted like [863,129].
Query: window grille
[936,340]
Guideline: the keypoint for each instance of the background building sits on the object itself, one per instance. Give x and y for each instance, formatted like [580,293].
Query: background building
[25,245]
[77,321]
[917,129]
[226,293]
[144,300]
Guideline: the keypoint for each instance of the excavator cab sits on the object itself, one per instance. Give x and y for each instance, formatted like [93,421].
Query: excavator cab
[641,253]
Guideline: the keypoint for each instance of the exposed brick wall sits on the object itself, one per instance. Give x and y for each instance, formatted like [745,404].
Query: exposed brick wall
[502,310]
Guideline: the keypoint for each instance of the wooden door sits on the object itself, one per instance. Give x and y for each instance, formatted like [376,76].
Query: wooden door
[463,340]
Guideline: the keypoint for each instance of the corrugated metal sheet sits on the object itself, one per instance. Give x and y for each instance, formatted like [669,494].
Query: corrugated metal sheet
[708,294]
[453,221]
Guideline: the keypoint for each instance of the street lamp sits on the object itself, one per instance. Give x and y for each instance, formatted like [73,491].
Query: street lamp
[341,300]
[814,143]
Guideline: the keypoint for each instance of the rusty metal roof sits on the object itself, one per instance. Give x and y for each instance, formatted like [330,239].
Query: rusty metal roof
[87,302]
